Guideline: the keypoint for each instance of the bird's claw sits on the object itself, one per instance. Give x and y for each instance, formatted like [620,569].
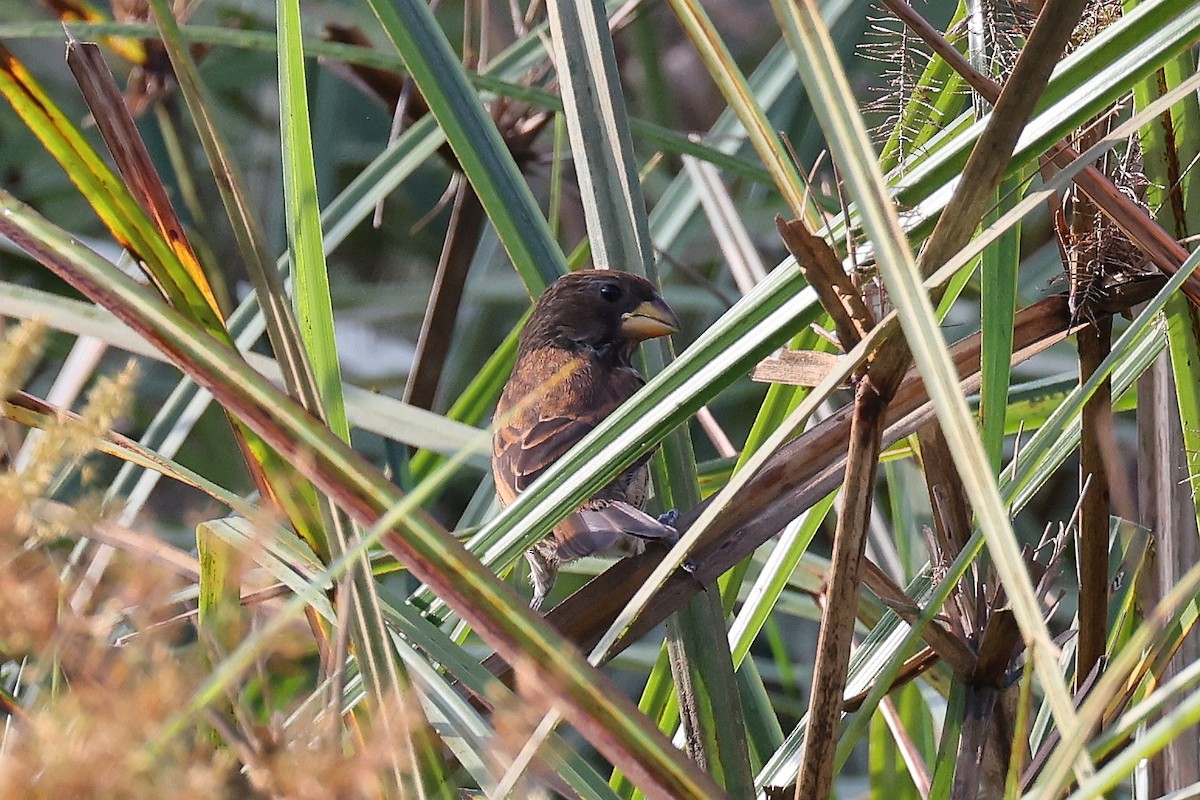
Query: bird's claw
[669,519]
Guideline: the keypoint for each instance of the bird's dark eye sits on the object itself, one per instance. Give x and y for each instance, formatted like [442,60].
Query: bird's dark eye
[610,292]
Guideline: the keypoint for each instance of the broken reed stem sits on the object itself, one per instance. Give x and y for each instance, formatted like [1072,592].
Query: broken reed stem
[823,270]
[1094,343]
[433,342]
[837,625]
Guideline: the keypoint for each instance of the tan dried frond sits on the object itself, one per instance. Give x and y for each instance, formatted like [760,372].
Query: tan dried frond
[30,600]
[515,720]
[94,739]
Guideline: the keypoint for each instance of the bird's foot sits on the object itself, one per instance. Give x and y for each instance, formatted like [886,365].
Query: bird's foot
[542,573]
[669,519]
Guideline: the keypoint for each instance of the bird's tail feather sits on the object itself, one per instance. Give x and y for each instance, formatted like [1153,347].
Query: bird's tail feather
[594,530]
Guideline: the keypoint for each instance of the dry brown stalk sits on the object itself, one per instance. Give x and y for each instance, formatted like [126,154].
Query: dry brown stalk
[1092,544]
[823,270]
[837,621]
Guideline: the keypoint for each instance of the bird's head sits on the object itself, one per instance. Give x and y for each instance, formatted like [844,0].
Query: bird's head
[603,310]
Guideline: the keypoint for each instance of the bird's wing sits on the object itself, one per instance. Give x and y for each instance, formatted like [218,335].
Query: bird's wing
[543,444]
[525,448]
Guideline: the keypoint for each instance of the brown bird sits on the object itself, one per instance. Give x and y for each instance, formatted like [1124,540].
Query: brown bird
[573,369]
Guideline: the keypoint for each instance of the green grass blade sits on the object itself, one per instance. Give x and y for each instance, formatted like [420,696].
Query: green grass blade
[314,311]
[598,127]
[1086,81]
[998,306]
[481,152]
[1183,337]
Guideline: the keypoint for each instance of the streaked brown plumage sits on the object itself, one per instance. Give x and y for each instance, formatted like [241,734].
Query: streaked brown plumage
[573,369]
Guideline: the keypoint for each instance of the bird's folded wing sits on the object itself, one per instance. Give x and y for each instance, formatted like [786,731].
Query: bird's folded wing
[525,447]
[544,444]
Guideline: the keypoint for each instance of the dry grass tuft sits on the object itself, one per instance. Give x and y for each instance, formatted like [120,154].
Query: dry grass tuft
[88,715]
[96,737]
[294,765]
[91,692]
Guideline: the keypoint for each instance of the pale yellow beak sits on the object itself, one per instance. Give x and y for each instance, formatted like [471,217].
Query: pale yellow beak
[651,319]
